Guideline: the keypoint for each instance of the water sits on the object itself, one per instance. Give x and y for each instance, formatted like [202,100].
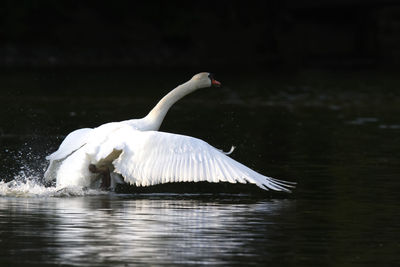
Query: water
[336,134]
[99,231]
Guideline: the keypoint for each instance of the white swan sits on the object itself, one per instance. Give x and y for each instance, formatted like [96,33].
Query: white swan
[135,150]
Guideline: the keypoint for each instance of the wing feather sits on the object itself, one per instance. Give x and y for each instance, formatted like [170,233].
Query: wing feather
[152,157]
[71,143]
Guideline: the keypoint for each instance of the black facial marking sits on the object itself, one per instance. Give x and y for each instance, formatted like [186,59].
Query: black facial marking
[211,76]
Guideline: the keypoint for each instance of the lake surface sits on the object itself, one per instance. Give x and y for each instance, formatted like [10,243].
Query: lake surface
[335,133]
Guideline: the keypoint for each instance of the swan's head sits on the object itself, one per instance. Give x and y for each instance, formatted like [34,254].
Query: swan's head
[205,79]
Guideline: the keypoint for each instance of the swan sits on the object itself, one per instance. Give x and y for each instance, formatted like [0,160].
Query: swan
[135,152]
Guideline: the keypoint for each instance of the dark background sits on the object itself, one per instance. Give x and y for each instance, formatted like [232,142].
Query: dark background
[260,34]
[310,94]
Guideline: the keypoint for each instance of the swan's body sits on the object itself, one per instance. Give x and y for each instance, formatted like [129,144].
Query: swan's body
[135,150]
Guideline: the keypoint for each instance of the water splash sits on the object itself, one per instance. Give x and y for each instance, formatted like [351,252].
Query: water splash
[31,188]
[28,178]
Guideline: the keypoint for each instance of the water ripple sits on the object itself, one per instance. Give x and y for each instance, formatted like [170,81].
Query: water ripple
[101,230]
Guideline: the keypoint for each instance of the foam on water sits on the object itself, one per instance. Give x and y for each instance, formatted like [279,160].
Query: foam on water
[24,185]
[31,188]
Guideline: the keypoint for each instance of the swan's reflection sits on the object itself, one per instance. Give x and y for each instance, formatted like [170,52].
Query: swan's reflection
[156,230]
[104,230]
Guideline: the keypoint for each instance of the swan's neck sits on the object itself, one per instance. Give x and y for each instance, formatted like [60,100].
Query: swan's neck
[157,114]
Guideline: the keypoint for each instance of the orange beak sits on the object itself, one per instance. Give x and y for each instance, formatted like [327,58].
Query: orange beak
[215,83]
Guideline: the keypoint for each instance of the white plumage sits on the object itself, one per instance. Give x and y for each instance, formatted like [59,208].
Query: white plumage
[150,158]
[143,156]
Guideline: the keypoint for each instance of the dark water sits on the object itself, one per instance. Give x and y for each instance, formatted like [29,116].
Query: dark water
[336,134]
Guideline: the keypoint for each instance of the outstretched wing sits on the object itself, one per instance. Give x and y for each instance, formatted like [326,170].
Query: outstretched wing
[151,157]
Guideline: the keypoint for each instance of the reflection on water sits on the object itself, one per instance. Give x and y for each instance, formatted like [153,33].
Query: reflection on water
[143,229]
